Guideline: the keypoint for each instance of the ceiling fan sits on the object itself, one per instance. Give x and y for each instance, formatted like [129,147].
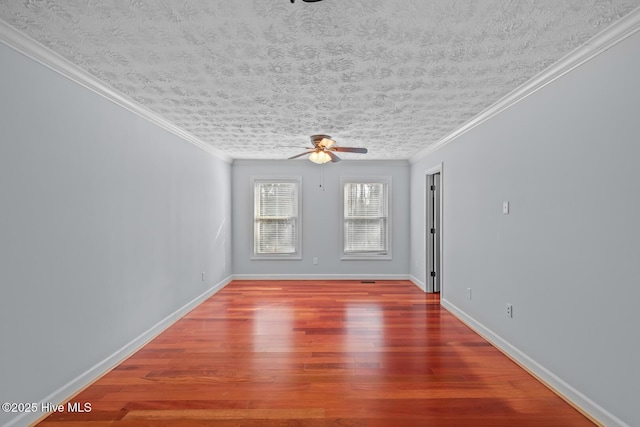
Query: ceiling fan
[323,150]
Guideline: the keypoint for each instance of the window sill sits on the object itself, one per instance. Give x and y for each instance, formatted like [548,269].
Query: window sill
[366,257]
[276,257]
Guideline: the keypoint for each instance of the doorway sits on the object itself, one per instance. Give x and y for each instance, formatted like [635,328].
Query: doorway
[433,229]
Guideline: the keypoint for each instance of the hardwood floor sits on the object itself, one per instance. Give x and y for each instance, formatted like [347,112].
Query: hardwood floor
[319,353]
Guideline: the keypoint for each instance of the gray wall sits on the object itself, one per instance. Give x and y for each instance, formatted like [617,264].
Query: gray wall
[321,220]
[567,257]
[107,223]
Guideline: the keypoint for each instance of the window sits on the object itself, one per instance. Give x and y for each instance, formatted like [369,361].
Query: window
[276,218]
[366,218]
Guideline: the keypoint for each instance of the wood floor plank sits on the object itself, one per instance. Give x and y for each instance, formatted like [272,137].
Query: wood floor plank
[319,353]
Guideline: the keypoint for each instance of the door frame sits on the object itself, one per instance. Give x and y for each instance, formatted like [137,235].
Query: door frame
[428,208]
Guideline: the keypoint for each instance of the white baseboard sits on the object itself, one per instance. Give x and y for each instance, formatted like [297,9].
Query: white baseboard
[582,403]
[418,282]
[76,385]
[321,277]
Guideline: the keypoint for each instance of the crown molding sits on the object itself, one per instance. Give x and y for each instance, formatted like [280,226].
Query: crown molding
[607,38]
[30,48]
[306,162]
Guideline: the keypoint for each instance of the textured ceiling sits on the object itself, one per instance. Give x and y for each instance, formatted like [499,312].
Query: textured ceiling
[249,77]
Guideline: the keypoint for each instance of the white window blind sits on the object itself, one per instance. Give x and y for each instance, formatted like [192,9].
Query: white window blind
[366,218]
[276,219]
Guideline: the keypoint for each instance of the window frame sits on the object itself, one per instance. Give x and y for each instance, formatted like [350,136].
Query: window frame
[385,180]
[297,180]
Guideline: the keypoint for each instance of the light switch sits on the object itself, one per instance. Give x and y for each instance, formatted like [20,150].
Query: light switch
[505,207]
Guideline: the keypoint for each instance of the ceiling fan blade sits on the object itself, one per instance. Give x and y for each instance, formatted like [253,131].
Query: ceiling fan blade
[334,158]
[349,150]
[300,155]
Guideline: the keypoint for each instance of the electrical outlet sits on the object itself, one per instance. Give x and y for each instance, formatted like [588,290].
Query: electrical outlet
[505,207]
[203,276]
[468,293]
[315,260]
[509,310]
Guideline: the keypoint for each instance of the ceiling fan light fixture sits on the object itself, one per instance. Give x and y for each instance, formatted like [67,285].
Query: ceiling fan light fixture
[319,157]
